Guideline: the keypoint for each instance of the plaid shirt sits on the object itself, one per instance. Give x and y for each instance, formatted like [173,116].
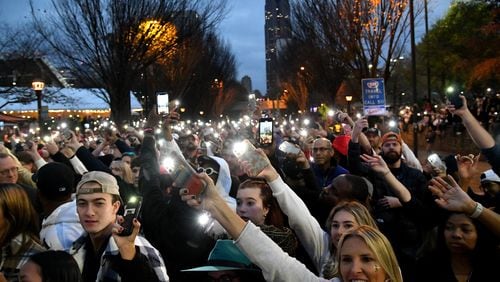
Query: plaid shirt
[15,254]
[106,273]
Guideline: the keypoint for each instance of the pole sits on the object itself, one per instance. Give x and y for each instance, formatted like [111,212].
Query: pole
[39,107]
[414,79]
[428,64]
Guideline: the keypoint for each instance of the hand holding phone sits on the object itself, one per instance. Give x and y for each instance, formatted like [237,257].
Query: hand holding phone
[132,211]
[455,100]
[289,148]
[185,176]
[245,151]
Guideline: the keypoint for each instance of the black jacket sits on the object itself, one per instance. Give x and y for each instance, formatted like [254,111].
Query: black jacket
[170,226]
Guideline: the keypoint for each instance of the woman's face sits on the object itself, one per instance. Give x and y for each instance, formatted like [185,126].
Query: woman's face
[250,205]
[342,221]
[460,234]
[30,272]
[357,262]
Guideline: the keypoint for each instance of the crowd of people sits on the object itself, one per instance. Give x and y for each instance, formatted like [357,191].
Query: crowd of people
[310,206]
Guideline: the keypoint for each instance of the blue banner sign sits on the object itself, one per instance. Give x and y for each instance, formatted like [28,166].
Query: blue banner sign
[373,91]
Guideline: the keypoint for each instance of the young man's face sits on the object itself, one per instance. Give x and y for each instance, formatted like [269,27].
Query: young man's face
[96,211]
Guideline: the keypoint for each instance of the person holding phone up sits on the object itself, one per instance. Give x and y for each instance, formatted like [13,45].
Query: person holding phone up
[102,252]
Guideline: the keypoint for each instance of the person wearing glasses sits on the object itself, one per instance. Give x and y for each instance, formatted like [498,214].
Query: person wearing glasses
[324,166]
[10,170]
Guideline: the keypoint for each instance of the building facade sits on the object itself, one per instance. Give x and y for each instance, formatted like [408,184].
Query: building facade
[277,33]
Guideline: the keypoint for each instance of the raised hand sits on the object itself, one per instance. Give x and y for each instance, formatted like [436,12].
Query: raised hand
[460,111]
[125,244]
[376,163]
[450,196]
[268,173]
[207,199]
[358,128]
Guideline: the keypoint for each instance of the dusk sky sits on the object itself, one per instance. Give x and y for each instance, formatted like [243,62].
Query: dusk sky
[243,28]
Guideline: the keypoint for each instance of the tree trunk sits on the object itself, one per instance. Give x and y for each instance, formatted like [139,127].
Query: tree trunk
[120,106]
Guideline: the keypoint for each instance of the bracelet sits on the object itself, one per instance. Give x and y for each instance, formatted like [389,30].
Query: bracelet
[478,210]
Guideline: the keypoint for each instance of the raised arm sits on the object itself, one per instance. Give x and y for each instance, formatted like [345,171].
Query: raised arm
[276,265]
[451,197]
[315,241]
[479,135]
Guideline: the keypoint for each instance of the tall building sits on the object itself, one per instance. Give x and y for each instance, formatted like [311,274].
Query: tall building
[277,32]
[246,81]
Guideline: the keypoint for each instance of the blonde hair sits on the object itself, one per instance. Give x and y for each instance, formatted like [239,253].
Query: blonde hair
[380,247]
[358,210]
[362,217]
[127,175]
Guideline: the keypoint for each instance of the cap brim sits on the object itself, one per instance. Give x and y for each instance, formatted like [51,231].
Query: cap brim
[211,268]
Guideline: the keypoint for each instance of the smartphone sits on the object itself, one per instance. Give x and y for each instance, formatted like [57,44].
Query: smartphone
[455,100]
[28,145]
[67,135]
[435,161]
[132,211]
[266,131]
[162,103]
[185,176]
[289,148]
[245,150]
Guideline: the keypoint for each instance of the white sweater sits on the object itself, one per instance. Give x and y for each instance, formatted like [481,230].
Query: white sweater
[315,240]
[276,265]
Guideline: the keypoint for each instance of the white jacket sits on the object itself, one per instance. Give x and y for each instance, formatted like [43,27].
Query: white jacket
[61,228]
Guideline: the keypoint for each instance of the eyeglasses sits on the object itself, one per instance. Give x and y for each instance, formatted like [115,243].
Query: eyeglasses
[321,149]
[209,171]
[8,171]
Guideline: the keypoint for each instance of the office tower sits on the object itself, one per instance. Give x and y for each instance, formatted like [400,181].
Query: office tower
[246,81]
[277,32]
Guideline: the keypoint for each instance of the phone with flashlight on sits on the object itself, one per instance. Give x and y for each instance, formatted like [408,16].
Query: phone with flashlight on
[132,211]
[184,175]
[245,151]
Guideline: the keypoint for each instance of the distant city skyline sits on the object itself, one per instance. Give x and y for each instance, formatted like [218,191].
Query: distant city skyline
[242,28]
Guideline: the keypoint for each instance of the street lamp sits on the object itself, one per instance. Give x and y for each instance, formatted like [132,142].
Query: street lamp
[348,98]
[38,86]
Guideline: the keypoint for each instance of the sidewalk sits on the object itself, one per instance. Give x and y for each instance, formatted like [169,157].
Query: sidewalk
[449,144]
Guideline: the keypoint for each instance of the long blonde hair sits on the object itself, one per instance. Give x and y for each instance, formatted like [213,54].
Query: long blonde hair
[380,247]
[362,217]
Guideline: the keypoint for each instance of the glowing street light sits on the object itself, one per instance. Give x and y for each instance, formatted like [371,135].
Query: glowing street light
[348,98]
[38,86]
